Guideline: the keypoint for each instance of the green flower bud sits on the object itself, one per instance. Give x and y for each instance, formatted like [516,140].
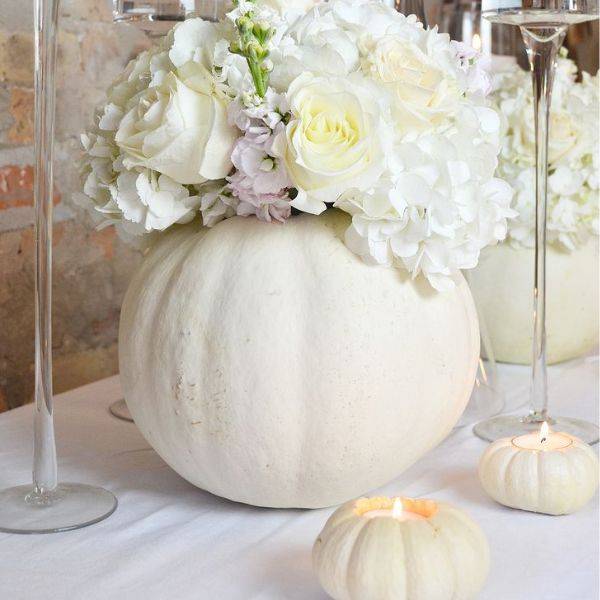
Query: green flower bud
[255,51]
[245,25]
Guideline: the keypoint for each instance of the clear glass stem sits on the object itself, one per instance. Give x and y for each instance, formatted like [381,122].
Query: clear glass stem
[44,448]
[543,43]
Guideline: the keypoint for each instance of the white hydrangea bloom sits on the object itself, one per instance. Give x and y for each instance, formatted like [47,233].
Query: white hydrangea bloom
[290,10]
[436,211]
[217,204]
[152,200]
[315,43]
[573,156]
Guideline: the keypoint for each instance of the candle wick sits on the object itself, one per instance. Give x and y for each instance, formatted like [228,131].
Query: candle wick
[543,440]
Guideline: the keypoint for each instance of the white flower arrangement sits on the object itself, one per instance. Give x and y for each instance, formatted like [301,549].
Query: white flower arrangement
[573,156]
[299,106]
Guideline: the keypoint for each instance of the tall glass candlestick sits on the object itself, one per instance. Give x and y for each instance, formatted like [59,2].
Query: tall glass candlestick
[543,25]
[47,506]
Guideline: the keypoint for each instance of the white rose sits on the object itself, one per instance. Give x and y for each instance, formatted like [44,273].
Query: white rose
[425,93]
[179,129]
[334,140]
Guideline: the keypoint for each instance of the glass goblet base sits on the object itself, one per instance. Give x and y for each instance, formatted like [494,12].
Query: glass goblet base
[485,402]
[511,425]
[69,506]
[119,409]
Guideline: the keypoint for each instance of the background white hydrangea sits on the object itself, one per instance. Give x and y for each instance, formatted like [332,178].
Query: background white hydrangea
[573,154]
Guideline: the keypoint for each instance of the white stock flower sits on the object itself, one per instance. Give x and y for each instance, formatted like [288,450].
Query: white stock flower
[231,70]
[335,139]
[476,67]
[573,156]
[179,129]
[217,204]
[260,181]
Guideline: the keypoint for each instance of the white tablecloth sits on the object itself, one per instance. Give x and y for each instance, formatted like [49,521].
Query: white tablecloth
[170,541]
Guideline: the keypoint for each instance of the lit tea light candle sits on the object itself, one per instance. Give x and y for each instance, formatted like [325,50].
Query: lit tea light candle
[374,547]
[543,440]
[543,471]
[397,511]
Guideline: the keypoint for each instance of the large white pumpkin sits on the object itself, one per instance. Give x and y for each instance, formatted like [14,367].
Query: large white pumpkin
[502,284]
[268,364]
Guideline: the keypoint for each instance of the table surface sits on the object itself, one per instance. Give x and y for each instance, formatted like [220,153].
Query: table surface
[170,540]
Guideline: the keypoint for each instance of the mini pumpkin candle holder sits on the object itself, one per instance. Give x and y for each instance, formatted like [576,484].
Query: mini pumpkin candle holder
[400,548]
[545,472]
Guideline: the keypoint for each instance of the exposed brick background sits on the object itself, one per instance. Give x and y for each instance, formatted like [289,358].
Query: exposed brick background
[91,268]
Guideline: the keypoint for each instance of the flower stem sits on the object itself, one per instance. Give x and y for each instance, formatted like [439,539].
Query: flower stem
[257,76]
[253,45]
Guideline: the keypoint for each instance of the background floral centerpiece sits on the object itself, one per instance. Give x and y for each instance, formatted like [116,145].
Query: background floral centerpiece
[573,154]
[505,273]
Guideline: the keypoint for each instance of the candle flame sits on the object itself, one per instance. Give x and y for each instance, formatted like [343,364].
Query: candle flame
[398,509]
[544,431]
[476,41]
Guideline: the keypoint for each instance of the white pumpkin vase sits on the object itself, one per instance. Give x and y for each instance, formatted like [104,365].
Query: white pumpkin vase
[502,284]
[268,364]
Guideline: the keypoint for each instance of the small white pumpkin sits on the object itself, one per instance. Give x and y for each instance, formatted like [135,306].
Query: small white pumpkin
[502,284]
[268,364]
[444,556]
[554,482]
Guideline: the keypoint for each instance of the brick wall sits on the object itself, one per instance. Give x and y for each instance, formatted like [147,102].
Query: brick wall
[91,268]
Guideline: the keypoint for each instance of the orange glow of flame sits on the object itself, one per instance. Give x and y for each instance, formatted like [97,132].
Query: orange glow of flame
[544,431]
[398,509]
[476,41]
